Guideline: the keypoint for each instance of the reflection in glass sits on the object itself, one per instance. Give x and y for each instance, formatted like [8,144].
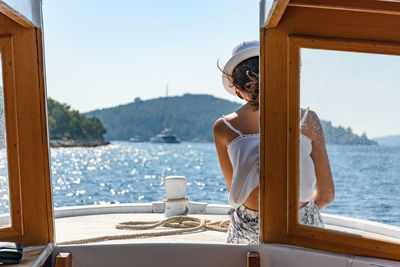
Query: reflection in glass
[356,98]
[4,192]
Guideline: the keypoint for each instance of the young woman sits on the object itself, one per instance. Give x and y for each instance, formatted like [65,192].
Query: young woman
[236,138]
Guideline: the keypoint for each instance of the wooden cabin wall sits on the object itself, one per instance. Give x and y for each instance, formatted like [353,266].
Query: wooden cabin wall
[32,138]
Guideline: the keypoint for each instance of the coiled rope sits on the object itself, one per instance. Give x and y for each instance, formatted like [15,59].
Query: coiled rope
[185,224]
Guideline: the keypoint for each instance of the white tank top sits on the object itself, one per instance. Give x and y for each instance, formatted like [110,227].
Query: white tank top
[307,170]
[243,153]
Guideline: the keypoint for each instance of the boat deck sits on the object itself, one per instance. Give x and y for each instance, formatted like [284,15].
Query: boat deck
[91,226]
[85,222]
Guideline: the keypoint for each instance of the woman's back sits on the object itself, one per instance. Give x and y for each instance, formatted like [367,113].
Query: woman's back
[243,152]
[239,131]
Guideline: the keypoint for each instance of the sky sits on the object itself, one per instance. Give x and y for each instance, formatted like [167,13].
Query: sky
[105,53]
[356,90]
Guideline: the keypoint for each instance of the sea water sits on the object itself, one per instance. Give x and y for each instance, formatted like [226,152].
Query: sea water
[134,172]
[367,178]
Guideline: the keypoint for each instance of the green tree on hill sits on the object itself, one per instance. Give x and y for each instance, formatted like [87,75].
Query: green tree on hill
[189,116]
[340,135]
[65,123]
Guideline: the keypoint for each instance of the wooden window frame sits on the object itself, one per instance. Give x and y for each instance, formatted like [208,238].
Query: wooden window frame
[279,221]
[6,49]
[31,208]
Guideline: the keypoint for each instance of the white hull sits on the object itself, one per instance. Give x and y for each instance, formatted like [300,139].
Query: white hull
[210,255]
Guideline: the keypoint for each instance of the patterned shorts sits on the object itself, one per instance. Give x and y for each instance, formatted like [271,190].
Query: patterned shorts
[309,215]
[244,226]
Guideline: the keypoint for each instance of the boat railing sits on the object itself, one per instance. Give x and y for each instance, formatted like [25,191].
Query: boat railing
[332,222]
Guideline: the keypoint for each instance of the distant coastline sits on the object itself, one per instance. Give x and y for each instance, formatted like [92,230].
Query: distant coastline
[143,119]
[78,143]
[391,140]
[191,117]
[339,135]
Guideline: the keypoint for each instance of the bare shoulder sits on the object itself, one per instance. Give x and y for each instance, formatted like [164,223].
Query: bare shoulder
[314,125]
[232,116]
[222,133]
[312,116]
[219,126]
[220,123]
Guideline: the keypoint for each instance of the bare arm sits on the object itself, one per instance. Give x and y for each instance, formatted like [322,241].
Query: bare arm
[221,147]
[325,189]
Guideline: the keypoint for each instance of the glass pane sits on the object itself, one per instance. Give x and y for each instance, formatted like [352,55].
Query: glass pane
[4,192]
[355,96]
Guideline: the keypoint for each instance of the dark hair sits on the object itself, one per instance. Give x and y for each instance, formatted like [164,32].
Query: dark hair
[245,78]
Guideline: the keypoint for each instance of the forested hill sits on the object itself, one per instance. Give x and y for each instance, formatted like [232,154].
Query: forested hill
[190,117]
[67,124]
[343,136]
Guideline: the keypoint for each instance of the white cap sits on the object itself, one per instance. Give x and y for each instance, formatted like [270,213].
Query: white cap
[241,52]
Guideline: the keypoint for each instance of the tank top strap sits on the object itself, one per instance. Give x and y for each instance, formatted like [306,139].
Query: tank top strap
[304,117]
[231,127]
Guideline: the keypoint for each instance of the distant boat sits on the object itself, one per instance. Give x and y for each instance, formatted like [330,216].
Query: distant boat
[135,139]
[165,136]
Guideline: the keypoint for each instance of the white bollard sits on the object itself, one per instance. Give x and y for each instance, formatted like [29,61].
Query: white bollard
[175,196]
